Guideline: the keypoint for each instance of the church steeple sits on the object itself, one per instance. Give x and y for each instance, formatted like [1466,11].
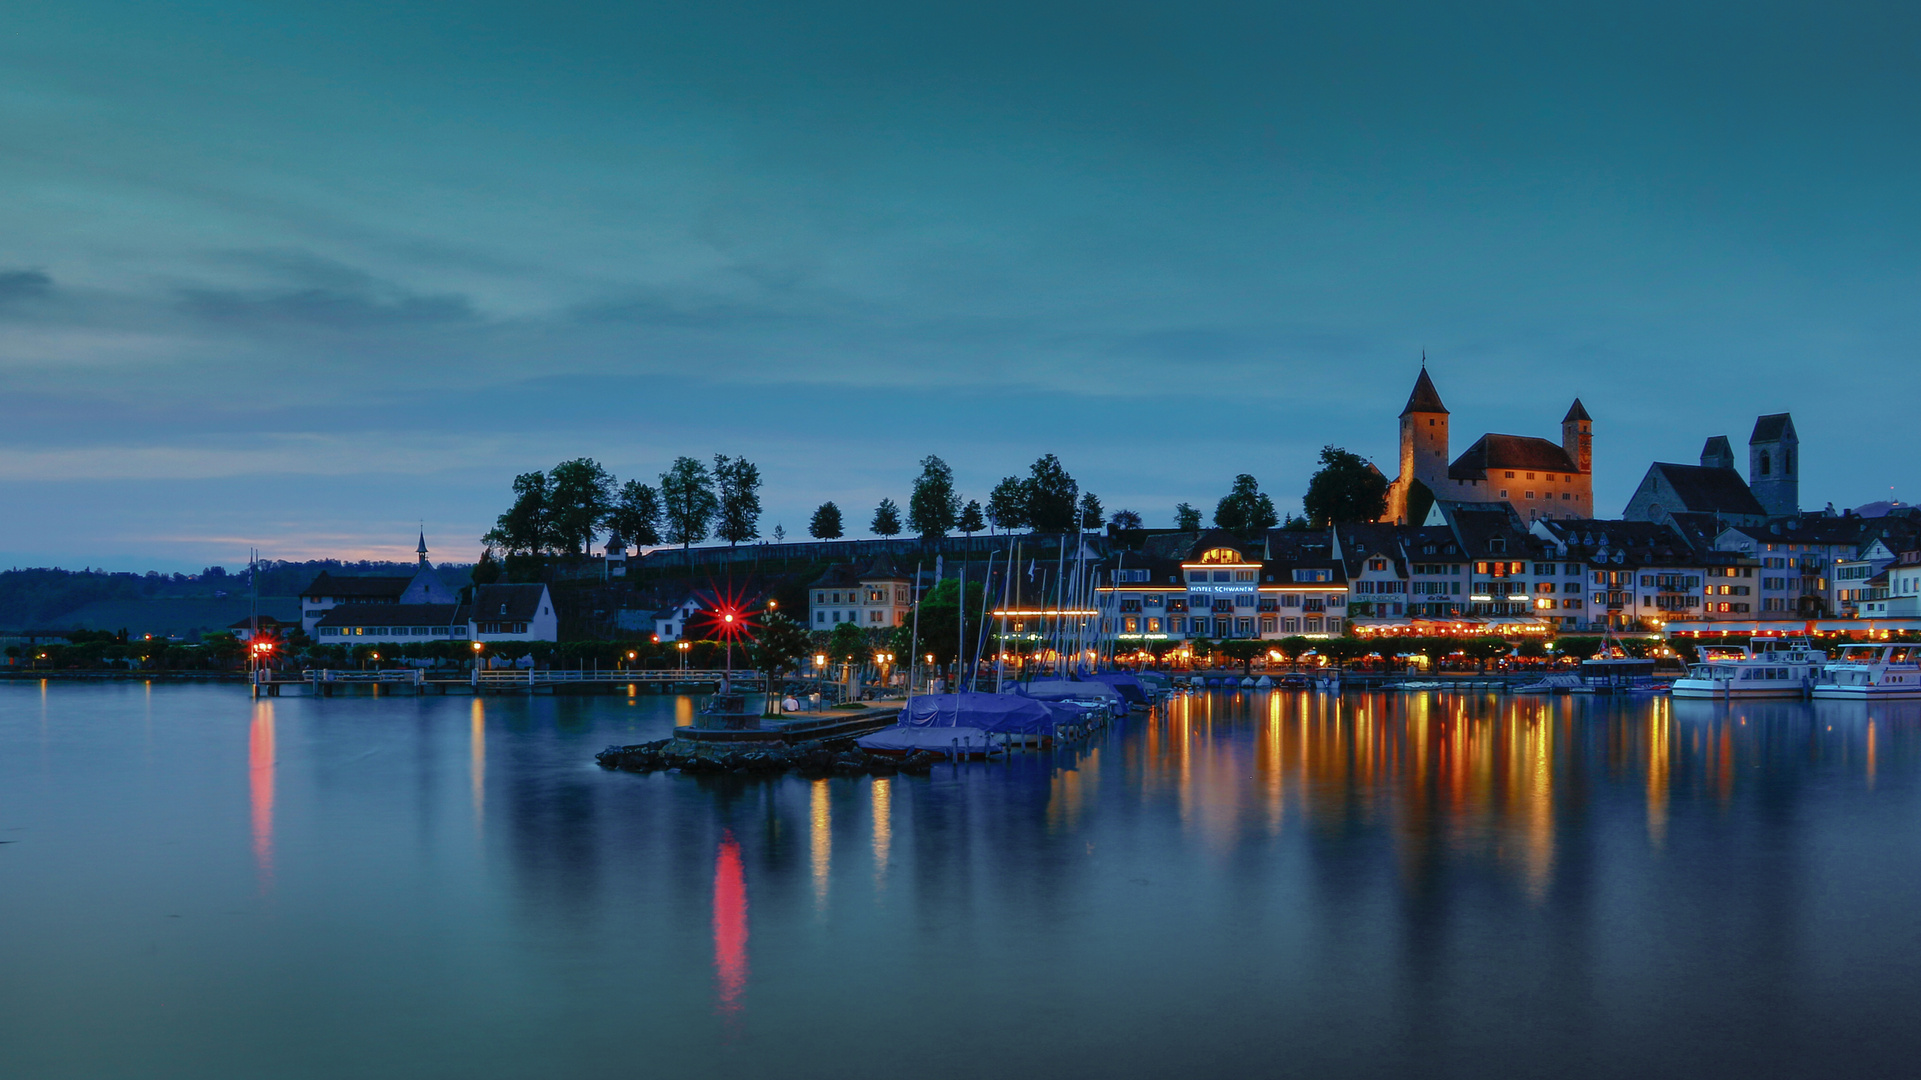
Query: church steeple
[422,549]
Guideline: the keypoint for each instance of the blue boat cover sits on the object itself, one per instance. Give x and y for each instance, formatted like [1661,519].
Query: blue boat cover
[1003,713]
[1125,681]
[940,740]
[1061,689]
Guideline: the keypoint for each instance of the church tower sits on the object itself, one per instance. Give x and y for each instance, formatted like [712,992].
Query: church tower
[1774,463]
[1577,437]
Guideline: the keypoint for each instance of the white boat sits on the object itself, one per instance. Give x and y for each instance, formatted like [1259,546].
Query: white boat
[1872,673]
[1786,668]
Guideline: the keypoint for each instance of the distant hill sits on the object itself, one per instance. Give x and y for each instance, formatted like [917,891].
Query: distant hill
[183,617]
[48,598]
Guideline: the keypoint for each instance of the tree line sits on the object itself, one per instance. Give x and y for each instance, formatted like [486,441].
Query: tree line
[564,510]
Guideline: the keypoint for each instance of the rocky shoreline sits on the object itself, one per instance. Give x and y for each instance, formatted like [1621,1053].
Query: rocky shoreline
[837,757]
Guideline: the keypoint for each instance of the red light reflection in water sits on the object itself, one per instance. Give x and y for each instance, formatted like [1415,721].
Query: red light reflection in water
[730,926]
[260,791]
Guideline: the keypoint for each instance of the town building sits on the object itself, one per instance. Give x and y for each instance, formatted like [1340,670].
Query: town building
[1895,592]
[1538,478]
[329,591]
[1224,587]
[873,599]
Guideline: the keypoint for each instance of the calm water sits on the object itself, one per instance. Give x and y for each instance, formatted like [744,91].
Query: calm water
[196,885]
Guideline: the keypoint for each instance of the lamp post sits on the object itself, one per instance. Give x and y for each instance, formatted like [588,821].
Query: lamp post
[683,647]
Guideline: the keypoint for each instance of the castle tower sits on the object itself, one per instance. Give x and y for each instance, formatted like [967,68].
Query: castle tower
[1424,436]
[1577,437]
[1774,463]
[1717,454]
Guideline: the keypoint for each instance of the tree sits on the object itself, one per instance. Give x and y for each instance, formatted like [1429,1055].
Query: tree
[825,524]
[1244,650]
[1125,520]
[1090,511]
[847,645]
[579,495]
[687,501]
[1580,648]
[739,499]
[1048,495]
[1186,517]
[1342,649]
[523,529]
[1244,511]
[780,533]
[1346,488]
[886,519]
[1294,524]
[1482,649]
[487,570]
[1294,646]
[776,650]
[933,507]
[635,517]
[1007,505]
[971,521]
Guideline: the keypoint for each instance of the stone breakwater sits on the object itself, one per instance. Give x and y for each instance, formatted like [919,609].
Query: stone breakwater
[838,757]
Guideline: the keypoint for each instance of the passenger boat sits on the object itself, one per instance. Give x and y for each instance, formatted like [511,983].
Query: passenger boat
[1785,668]
[1872,673]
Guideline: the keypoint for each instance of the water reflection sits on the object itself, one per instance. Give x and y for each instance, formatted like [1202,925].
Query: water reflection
[820,815]
[882,797]
[730,926]
[477,760]
[1421,884]
[260,765]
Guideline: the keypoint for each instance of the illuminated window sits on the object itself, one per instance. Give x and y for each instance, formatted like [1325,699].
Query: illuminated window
[1220,555]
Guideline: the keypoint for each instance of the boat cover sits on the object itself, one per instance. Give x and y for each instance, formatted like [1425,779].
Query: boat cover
[940,740]
[1002,713]
[1125,682]
[1057,689]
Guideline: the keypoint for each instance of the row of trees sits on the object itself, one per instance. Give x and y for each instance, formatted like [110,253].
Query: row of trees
[565,509]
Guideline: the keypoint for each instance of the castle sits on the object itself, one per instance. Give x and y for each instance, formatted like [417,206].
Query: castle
[1538,478]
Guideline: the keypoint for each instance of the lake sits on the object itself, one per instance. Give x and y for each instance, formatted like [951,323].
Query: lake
[194,884]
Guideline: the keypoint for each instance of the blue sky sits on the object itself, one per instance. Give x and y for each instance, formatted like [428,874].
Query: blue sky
[300,277]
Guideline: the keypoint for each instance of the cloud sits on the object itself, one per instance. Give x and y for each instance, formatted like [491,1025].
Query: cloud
[328,308]
[24,285]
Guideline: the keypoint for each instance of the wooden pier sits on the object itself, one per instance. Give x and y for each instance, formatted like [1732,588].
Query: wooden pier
[420,681]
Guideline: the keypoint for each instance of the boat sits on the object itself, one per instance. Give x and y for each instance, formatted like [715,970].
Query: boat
[1130,687]
[1099,696]
[965,726]
[1872,673]
[1785,668]
[1616,675]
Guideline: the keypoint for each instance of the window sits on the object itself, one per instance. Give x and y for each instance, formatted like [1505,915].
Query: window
[1244,627]
[1566,496]
[820,618]
[1377,564]
[1310,575]
[1290,626]
[1243,575]
[1223,575]
[1197,575]
[1130,603]
[1130,626]
[1510,476]
[1153,625]
[1268,624]
[1245,600]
